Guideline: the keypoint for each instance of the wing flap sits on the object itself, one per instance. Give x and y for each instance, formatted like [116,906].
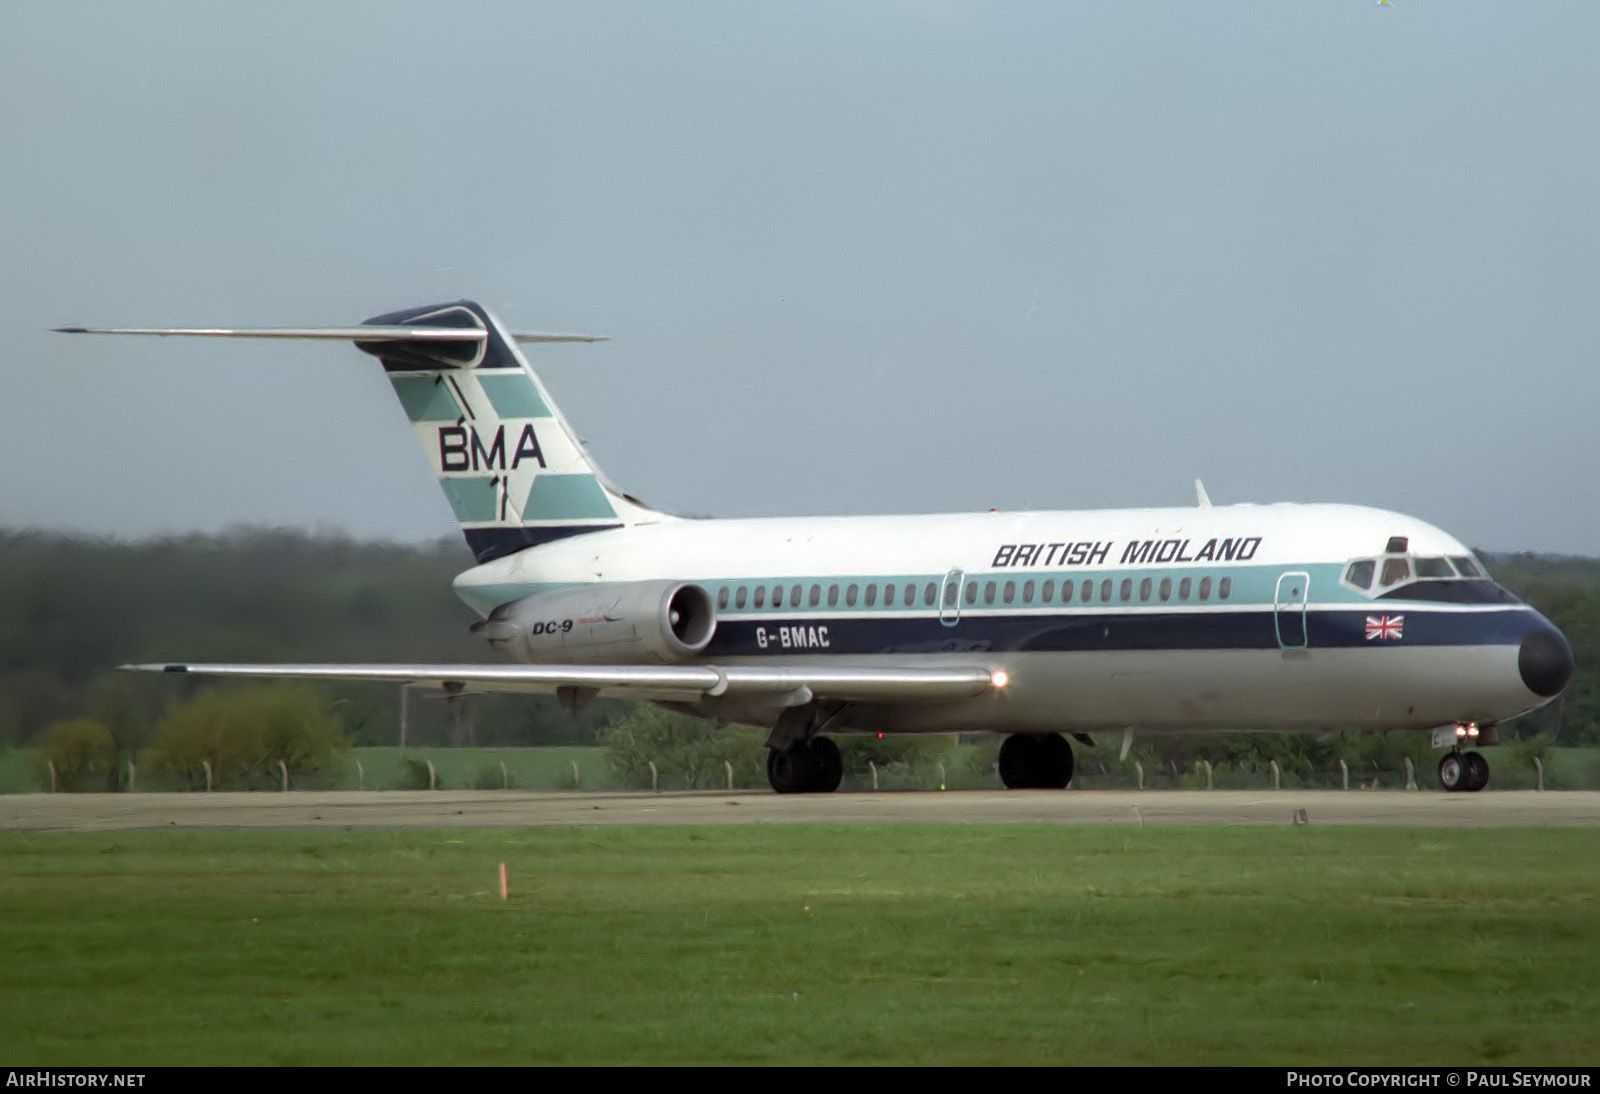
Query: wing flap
[787,686]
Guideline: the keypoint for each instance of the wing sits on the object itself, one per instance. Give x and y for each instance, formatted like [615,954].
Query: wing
[782,687]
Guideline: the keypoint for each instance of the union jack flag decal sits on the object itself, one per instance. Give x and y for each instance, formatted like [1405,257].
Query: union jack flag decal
[1385,628]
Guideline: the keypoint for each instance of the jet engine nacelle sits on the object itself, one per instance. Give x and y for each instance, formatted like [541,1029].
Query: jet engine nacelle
[659,621]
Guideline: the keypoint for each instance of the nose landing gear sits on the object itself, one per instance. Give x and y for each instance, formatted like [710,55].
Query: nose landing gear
[1463,771]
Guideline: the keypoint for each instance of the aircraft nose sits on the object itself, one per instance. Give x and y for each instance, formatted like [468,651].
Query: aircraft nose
[1545,661]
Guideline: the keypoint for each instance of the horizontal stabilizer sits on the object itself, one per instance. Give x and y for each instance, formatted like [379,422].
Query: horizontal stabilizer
[786,686]
[340,334]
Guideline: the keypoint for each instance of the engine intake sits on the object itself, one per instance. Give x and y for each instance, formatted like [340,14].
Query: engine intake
[660,621]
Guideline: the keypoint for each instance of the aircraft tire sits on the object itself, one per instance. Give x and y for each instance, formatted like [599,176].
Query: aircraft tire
[794,770]
[1454,775]
[1035,761]
[1477,771]
[830,765]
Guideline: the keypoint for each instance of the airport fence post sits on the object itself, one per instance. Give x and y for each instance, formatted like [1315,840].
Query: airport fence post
[361,776]
[133,777]
[1275,784]
[53,780]
[728,766]
[1344,775]
[207,764]
[1539,768]
[1209,785]
[505,777]
[941,775]
[655,778]
[1138,769]
[283,768]
[433,777]
[874,768]
[576,779]
[1411,774]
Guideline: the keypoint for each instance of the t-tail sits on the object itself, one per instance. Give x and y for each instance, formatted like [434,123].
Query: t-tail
[515,473]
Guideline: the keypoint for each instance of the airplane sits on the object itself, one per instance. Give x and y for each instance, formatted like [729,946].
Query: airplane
[1278,617]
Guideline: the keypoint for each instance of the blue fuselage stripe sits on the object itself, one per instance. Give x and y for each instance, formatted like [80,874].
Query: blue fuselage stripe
[1257,628]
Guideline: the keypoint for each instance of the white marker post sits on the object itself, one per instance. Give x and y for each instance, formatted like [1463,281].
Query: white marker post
[576,780]
[1344,775]
[505,777]
[1411,774]
[284,768]
[208,775]
[433,777]
[1139,770]
[361,776]
[874,768]
[728,765]
[655,778]
[1275,784]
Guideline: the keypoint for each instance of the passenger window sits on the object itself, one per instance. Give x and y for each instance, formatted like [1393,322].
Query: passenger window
[1048,590]
[1009,594]
[794,596]
[1395,570]
[1127,588]
[1183,588]
[911,595]
[1205,588]
[1027,592]
[1144,589]
[872,595]
[1466,567]
[850,594]
[1360,573]
[1434,567]
[761,596]
[739,597]
[722,597]
[1166,589]
[1225,588]
[1105,590]
[888,596]
[972,592]
[833,595]
[816,596]
[930,592]
[988,592]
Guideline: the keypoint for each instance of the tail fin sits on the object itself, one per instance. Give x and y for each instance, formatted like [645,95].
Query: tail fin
[515,473]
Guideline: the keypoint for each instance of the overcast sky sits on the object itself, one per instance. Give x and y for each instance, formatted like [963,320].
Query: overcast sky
[854,257]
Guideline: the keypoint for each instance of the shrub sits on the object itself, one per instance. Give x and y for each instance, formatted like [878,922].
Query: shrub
[244,732]
[83,753]
[688,753]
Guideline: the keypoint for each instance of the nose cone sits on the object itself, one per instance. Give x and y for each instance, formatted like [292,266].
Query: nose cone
[1545,662]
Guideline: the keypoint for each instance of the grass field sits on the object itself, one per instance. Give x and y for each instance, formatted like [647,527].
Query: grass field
[929,944]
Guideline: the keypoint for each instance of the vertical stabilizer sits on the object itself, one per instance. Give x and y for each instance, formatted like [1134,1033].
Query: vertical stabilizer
[514,472]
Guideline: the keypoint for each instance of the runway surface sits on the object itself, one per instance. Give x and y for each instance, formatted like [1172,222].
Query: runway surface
[520,809]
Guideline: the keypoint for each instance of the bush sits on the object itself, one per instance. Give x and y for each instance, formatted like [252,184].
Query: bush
[688,753]
[83,753]
[412,774]
[244,732]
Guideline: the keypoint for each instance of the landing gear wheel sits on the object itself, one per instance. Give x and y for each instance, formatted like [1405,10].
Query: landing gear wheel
[792,770]
[807,767]
[1453,772]
[1035,761]
[830,765]
[1477,771]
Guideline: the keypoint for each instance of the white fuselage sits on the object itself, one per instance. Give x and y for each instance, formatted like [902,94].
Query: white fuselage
[1235,617]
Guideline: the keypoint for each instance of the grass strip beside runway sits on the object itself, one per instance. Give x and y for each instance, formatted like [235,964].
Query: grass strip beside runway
[933,944]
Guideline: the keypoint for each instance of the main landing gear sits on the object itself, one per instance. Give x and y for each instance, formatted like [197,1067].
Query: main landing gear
[1035,761]
[1462,771]
[805,767]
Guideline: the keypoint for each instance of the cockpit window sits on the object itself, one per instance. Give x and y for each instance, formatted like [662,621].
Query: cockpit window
[1360,573]
[1395,570]
[1434,567]
[1466,567]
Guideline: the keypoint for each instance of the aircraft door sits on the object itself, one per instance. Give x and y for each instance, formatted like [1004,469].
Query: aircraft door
[1289,609]
[950,599]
